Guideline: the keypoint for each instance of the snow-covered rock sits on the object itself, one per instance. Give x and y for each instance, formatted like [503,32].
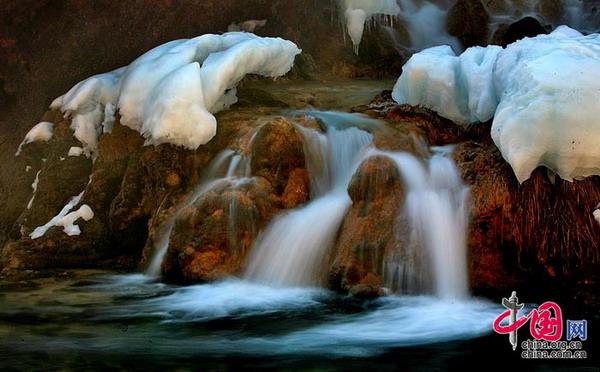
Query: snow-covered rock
[170,93]
[40,132]
[65,219]
[542,92]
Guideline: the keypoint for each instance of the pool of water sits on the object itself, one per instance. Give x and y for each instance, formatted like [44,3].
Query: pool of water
[131,321]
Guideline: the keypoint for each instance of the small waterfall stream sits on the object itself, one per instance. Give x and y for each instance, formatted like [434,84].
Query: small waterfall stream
[292,251]
[437,210]
[295,247]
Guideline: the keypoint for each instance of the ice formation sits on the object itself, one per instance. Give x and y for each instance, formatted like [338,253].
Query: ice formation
[65,219]
[40,132]
[170,93]
[542,92]
[358,12]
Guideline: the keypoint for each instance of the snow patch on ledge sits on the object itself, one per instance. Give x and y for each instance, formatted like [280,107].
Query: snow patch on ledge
[170,93]
[40,132]
[542,92]
[65,219]
[34,187]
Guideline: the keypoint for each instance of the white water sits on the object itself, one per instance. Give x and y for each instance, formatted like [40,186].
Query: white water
[426,24]
[293,249]
[307,320]
[228,165]
[437,210]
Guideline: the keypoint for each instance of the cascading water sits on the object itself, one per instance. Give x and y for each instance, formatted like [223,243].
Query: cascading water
[426,24]
[437,209]
[293,249]
[227,165]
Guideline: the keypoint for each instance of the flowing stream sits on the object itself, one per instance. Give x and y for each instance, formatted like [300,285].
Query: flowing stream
[279,307]
[293,249]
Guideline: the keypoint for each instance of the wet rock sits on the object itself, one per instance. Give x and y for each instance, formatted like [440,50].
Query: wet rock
[492,257]
[61,177]
[539,234]
[468,20]
[372,230]
[297,189]
[277,150]
[525,27]
[551,10]
[366,291]
[529,234]
[212,236]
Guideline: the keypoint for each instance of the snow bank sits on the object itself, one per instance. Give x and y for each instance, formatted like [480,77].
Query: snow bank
[40,132]
[65,219]
[357,12]
[170,93]
[542,92]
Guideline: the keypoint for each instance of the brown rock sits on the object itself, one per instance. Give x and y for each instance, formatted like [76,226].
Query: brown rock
[535,235]
[277,150]
[370,231]
[468,21]
[211,237]
[297,190]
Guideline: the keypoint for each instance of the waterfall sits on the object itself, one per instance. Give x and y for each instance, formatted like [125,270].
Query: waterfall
[227,165]
[426,24]
[292,251]
[436,207]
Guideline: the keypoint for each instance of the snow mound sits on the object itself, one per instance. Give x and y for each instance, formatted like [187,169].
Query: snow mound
[358,12]
[40,132]
[542,92]
[170,93]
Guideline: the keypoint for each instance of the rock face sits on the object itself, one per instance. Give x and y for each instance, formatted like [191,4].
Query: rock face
[525,27]
[128,187]
[371,230]
[212,236]
[48,46]
[540,233]
[536,236]
[468,20]
[277,155]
